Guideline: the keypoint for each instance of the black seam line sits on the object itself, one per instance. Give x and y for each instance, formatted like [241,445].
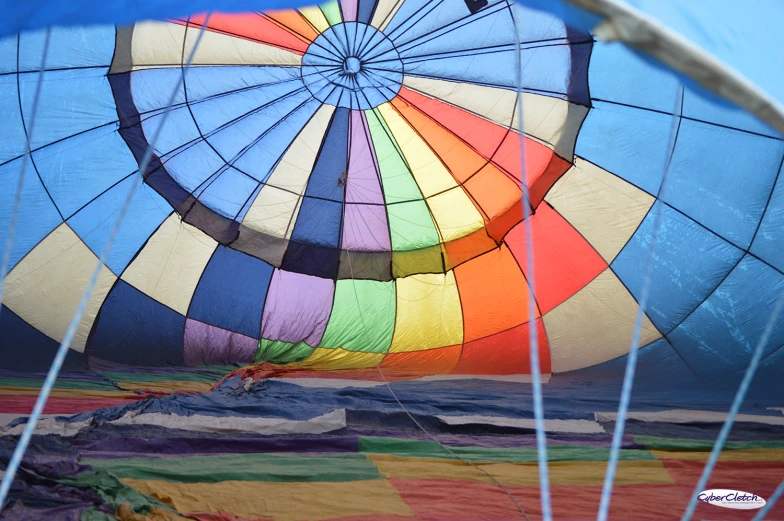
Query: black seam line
[239,36]
[230,164]
[480,51]
[560,95]
[388,36]
[152,113]
[682,359]
[534,44]
[27,136]
[224,126]
[485,216]
[656,197]
[454,25]
[55,69]
[286,27]
[392,12]
[366,45]
[327,36]
[412,19]
[371,77]
[377,169]
[509,128]
[767,203]
[388,131]
[689,118]
[148,66]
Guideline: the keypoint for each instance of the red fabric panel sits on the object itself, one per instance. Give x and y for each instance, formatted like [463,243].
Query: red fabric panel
[60,405]
[504,353]
[493,294]
[564,261]
[250,26]
[543,167]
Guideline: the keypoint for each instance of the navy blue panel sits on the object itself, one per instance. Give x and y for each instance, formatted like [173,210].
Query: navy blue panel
[134,329]
[24,348]
[768,244]
[719,337]
[232,291]
[722,178]
[658,366]
[332,163]
[318,222]
[311,260]
[365,11]
[689,263]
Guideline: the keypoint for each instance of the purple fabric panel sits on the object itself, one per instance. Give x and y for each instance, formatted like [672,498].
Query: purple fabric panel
[297,308]
[364,225]
[365,228]
[130,447]
[349,8]
[363,185]
[209,345]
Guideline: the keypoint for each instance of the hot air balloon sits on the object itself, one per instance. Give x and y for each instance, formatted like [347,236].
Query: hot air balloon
[378,230]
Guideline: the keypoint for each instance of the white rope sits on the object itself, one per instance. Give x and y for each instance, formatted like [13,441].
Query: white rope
[533,333]
[62,351]
[27,158]
[631,362]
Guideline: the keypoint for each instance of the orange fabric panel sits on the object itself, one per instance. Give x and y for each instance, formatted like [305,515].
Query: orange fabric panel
[489,139]
[459,158]
[564,262]
[505,353]
[250,26]
[490,188]
[493,293]
[460,250]
[294,23]
[429,361]
[500,226]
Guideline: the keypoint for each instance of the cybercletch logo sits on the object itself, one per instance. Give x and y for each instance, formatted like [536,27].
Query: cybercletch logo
[731,499]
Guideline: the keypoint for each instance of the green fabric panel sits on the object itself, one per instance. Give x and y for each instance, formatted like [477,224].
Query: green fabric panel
[61,383]
[279,352]
[675,444]
[113,491]
[243,467]
[410,223]
[411,226]
[430,449]
[93,514]
[331,12]
[203,375]
[399,183]
[363,316]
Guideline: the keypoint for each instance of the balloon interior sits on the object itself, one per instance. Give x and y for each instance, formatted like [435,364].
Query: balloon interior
[324,263]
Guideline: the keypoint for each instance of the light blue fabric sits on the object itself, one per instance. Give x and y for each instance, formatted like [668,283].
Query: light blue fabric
[689,262]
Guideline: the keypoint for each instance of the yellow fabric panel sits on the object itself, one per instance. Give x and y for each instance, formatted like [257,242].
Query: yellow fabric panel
[166,387]
[424,260]
[159,44]
[65,393]
[339,358]
[552,121]
[428,313]
[726,455]
[169,266]
[274,211]
[385,11]
[604,208]
[315,17]
[604,310]
[429,172]
[455,214]
[125,513]
[45,288]
[279,501]
[580,473]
